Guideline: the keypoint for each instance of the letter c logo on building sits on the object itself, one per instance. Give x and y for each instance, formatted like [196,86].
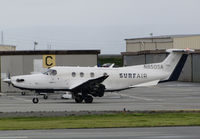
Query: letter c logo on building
[49,61]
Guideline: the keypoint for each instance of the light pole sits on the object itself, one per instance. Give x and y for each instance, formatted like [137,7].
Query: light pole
[151,34]
[35,43]
[1,37]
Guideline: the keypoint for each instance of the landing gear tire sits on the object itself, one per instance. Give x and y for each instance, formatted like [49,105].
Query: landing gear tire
[89,99]
[79,99]
[35,100]
[23,93]
[45,97]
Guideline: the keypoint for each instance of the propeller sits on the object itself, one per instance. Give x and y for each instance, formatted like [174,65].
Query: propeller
[8,80]
[9,75]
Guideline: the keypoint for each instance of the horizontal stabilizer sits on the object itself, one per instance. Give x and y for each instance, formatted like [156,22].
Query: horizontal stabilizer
[151,83]
[179,50]
[174,63]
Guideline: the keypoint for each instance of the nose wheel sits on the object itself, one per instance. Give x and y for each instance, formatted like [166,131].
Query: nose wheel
[35,100]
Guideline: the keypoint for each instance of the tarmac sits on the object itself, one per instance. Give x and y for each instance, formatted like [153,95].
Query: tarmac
[106,133]
[166,96]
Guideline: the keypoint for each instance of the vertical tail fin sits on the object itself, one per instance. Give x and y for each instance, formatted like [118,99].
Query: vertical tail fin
[174,63]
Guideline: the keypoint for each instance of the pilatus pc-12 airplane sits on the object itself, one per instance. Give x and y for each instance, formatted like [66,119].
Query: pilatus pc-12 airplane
[88,82]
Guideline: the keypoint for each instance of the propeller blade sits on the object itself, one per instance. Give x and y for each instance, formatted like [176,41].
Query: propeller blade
[8,75]
[7,80]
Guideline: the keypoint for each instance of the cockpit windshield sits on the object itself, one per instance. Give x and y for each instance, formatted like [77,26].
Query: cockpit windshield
[50,72]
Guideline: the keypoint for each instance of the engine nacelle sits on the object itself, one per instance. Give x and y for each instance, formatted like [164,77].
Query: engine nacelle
[98,90]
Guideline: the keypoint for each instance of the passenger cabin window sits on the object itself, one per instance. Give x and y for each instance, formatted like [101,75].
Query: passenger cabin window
[92,74]
[50,72]
[73,74]
[81,74]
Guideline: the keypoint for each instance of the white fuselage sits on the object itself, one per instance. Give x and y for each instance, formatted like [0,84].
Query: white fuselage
[69,77]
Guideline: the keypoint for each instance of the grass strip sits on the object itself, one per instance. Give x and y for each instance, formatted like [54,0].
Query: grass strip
[102,121]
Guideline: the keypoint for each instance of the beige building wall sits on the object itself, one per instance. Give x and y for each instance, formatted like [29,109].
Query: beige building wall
[7,48]
[174,41]
[192,42]
[164,45]
[135,47]
[132,47]
[149,46]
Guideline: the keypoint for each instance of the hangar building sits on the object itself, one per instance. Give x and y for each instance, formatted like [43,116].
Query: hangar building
[163,42]
[27,62]
[152,50]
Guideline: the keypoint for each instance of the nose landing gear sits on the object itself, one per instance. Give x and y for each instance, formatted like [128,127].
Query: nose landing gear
[35,100]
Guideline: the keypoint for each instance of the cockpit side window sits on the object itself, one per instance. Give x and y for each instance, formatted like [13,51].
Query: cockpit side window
[46,73]
[53,72]
[50,72]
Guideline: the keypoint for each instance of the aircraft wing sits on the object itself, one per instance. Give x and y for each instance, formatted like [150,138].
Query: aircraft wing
[79,85]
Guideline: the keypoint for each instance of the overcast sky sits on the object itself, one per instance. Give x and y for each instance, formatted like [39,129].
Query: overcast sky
[94,24]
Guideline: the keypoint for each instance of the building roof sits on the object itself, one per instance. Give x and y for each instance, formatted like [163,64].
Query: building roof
[165,36]
[162,51]
[143,52]
[56,52]
[5,45]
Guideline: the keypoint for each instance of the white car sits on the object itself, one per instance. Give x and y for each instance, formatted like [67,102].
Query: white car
[67,95]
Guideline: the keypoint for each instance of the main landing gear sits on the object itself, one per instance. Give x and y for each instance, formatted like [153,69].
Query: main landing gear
[88,92]
[80,98]
[88,99]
